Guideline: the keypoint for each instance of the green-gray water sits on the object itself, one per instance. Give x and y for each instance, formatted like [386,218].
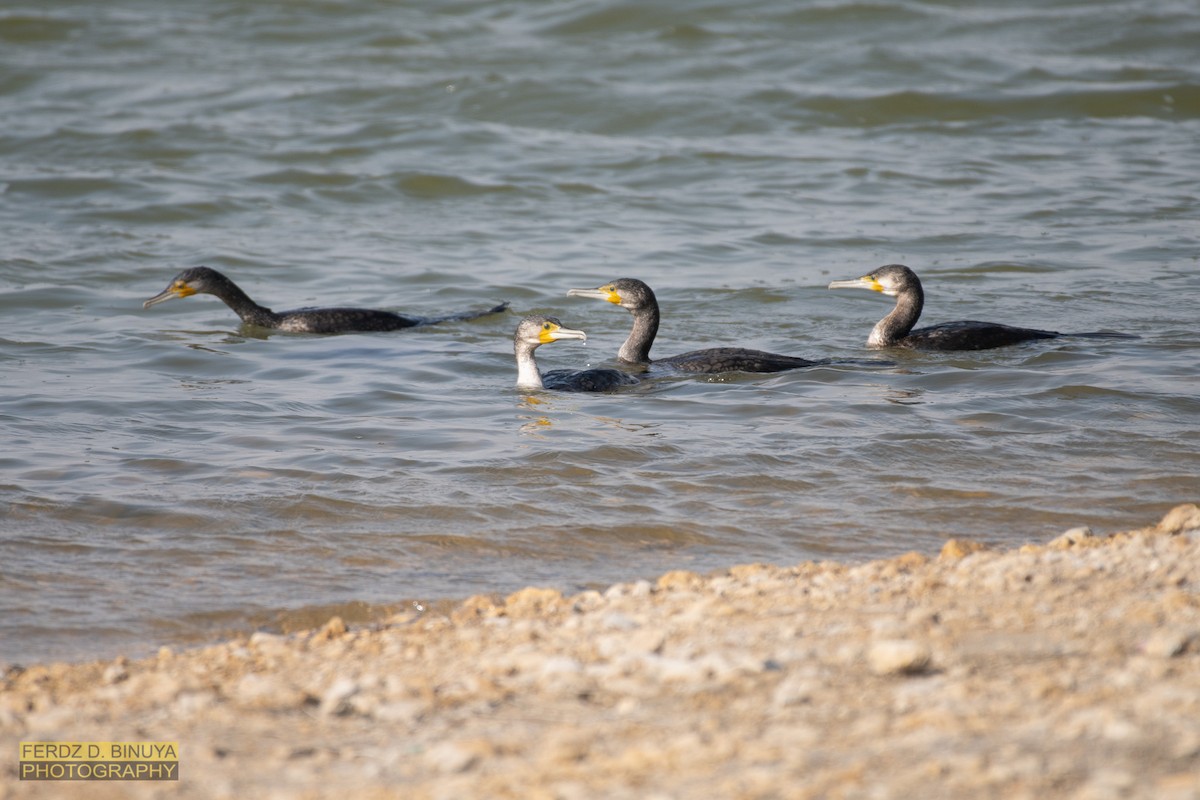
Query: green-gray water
[168,476]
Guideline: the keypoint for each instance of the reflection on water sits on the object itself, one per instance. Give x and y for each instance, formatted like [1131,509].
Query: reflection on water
[534,426]
[904,397]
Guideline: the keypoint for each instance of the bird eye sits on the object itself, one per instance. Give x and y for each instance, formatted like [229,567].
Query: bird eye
[546,326]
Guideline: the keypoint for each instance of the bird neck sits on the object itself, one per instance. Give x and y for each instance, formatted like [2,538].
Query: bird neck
[528,375]
[636,349]
[250,312]
[896,325]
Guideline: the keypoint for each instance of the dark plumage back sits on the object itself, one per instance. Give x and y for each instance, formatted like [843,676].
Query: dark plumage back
[896,328]
[206,280]
[639,299]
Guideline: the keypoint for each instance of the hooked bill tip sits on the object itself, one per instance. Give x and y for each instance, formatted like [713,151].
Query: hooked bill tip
[159,298]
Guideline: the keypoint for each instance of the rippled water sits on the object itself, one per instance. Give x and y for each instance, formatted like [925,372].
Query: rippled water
[168,477]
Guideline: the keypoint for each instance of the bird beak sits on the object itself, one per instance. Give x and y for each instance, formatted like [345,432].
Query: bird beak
[180,289]
[562,333]
[596,294]
[865,282]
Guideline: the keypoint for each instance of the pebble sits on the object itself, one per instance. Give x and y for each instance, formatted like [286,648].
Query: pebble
[645,640]
[475,608]
[958,549]
[335,699]
[335,628]
[1072,538]
[587,601]
[680,579]
[264,639]
[560,665]
[898,657]
[406,712]
[618,621]
[681,670]
[533,602]
[191,703]
[1167,643]
[454,757]
[796,689]
[1180,519]
[256,690]
[116,671]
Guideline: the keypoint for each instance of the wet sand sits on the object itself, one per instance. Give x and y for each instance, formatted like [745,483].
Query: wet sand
[1069,669]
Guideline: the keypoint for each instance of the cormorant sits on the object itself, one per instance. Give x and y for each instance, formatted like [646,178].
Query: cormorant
[896,329]
[537,330]
[205,280]
[639,299]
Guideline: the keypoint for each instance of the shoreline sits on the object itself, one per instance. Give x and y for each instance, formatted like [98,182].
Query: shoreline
[1066,669]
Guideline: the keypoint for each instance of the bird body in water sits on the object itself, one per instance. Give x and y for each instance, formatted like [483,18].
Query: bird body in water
[537,330]
[205,280]
[638,298]
[896,329]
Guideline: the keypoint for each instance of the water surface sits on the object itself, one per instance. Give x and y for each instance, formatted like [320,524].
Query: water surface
[168,476]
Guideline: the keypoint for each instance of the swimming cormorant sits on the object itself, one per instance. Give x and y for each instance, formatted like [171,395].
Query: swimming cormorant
[639,299]
[205,280]
[896,329]
[537,330]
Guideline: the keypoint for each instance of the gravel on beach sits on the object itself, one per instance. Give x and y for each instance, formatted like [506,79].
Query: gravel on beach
[1069,669]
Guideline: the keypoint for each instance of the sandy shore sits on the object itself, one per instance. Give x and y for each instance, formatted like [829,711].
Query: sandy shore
[1070,669]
